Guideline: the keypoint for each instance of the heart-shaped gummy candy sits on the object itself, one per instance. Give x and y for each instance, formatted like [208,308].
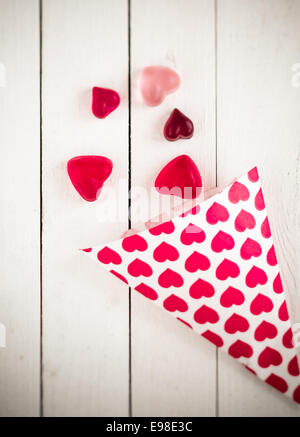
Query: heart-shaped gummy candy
[178,126]
[180,177]
[88,174]
[156,82]
[104,101]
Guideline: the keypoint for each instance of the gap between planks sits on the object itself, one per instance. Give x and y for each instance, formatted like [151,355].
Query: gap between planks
[41,204]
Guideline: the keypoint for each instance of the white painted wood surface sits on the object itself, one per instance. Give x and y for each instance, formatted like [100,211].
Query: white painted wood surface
[258,122]
[86,339]
[175,374]
[20,210]
[85,313]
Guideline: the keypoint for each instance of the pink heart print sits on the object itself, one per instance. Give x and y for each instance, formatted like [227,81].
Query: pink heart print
[238,192]
[165,251]
[265,330]
[139,268]
[244,220]
[173,303]
[250,248]
[134,242]
[201,288]
[222,241]
[215,269]
[197,261]
[170,278]
[191,234]
[236,323]
[232,296]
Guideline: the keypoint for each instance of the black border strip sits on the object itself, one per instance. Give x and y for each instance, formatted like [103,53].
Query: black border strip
[129,199]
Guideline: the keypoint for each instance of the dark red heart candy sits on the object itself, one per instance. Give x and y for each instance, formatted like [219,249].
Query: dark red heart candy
[178,126]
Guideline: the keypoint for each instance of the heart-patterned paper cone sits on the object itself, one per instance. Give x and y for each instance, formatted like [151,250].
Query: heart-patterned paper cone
[214,268]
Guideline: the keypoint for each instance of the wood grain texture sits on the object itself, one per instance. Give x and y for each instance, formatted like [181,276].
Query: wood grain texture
[173,371]
[20,208]
[85,311]
[258,122]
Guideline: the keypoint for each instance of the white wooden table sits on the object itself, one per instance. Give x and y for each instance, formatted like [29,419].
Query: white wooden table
[76,343]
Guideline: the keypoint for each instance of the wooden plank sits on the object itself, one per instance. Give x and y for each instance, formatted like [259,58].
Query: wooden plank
[85,311]
[173,370]
[20,212]
[258,122]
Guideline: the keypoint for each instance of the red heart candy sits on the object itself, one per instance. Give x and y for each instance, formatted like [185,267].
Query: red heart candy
[259,201]
[170,278]
[232,296]
[227,269]
[206,314]
[216,213]
[265,228]
[134,242]
[175,303]
[271,257]
[288,339]
[222,241]
[147,291]
[197,261]
[283,313]
[256,276]
[244,220]
[163,228]
[250,248]
[269,357]
[88,174]
[236,323]
[253,175]
[293,367]
[165,251]
[238,192]
[240,349]
[265,330]
[201,288]
[180,177]
[191,234]
[214,338]
[261,303]
[104,101]
[107,256]
[178,126]
[277,382]
[156,82]
[277,284]
[138,267]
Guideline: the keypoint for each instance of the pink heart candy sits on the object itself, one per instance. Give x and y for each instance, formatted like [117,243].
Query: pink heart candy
[156,82]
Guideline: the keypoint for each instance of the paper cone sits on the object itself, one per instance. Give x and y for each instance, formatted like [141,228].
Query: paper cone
[214,268]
